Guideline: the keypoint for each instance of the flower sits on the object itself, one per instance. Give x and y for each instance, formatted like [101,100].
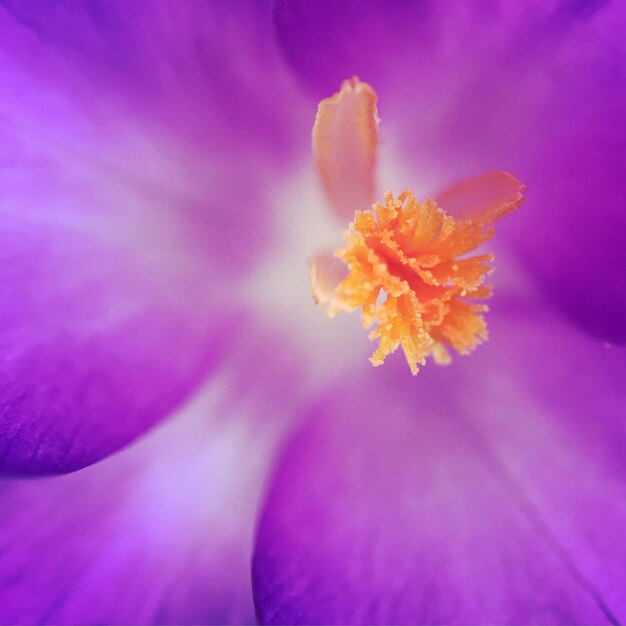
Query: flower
[157,212]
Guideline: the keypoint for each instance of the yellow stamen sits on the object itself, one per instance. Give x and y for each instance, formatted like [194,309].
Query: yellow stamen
[409,274]
[407,263]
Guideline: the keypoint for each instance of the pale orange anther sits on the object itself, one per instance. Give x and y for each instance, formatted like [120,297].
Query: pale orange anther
[345,140]
[484,198]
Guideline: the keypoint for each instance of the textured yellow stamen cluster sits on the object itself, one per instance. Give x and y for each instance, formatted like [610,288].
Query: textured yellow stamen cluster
[408,273]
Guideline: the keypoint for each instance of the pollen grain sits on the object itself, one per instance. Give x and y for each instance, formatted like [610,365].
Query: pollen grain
[408,270]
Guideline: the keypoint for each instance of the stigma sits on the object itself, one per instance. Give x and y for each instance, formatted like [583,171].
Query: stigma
[409,266]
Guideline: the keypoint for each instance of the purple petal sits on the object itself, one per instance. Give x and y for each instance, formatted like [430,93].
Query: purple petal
[93,350]
[209,69]
[129,206]
[534,88]
[107,319]
[192,101]
[160,533]
[490,491]
[572,236]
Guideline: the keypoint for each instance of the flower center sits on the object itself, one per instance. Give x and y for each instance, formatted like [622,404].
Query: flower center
[408,263]
[406,275]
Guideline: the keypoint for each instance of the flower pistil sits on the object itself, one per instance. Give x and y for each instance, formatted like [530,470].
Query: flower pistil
[408,265]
